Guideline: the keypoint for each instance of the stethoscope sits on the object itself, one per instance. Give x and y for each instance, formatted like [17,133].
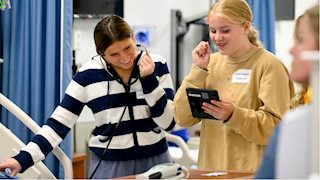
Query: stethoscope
[107,66]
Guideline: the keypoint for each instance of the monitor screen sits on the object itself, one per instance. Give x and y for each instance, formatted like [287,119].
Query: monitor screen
[98,7]
[284,9]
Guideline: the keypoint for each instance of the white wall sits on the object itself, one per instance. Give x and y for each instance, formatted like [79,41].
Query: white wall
[284,32]
[156,14]
[83,41]
[148,13]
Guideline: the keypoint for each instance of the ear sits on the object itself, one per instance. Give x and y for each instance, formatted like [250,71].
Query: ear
[247,26]
[101,53]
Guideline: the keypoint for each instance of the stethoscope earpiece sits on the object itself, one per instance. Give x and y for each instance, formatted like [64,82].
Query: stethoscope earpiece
[106,66]
[144,48]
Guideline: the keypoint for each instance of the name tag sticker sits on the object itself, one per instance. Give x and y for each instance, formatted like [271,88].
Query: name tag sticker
[140,94]
[241,76]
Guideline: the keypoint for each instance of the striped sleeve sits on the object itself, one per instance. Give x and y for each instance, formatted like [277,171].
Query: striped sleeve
[159,93]
[56,127]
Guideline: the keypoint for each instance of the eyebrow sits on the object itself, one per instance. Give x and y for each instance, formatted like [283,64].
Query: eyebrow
[126,47]
[219,27]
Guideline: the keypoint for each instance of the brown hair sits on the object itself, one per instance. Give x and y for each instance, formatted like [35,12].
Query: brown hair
[240,12]
[110,29]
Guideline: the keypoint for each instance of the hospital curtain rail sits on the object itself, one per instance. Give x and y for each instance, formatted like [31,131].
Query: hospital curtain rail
[37,53]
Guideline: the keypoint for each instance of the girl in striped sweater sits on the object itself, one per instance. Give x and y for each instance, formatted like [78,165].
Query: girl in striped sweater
[130,93]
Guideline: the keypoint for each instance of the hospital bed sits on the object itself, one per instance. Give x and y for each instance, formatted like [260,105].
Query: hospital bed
[10,145]
[182,154]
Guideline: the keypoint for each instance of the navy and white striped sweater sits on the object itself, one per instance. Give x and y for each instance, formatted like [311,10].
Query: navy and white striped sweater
[146,103]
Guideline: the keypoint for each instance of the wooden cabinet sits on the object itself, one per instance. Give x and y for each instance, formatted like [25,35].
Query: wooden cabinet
[79,162]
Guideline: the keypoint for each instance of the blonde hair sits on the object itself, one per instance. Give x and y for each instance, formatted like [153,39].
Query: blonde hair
[296,24]
[240,12]
[313,14]
[298,99]
[301,96]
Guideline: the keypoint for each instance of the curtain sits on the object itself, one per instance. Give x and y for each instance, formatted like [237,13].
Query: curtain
[37,64]
[1,55]
[264,21]
[66,66]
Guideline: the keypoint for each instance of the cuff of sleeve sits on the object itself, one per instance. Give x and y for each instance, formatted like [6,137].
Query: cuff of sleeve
[149,83]
[197,75]
[235,123]
[25,160]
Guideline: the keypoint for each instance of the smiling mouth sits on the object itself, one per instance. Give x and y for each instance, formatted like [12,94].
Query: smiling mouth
[221,44]
[126,62]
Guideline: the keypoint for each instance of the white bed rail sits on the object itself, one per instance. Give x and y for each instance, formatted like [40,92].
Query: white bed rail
[34,127]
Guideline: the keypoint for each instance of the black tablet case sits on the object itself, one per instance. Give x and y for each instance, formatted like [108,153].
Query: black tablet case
[196,97]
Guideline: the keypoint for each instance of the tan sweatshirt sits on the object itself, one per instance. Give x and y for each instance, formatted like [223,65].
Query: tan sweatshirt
[259,87]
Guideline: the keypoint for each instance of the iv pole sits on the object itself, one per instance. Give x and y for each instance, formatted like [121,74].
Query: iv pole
[179,28]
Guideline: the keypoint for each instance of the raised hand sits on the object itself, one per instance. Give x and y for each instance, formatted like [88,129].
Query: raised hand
[146,65]
[201,54]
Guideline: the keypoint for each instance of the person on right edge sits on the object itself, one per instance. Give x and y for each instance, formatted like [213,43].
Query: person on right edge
[253,85]
[303,94]
[294,125]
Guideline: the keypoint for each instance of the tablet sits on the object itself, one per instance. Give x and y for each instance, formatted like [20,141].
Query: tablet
[196,97]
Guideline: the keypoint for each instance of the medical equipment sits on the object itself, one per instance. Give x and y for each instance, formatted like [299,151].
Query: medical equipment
[6,174]
[144,48]
[13,144]
[182,154]
[108,66]
[165,171]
